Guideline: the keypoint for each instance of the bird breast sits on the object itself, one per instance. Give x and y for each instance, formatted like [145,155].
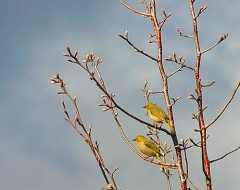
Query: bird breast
[154,118]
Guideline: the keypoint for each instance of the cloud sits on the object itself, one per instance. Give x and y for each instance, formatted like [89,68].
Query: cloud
[41,151]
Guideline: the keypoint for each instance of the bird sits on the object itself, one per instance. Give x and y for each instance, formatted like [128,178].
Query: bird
[148,147]
[158,115]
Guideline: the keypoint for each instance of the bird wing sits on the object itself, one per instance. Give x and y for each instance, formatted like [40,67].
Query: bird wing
[152,146]
[159,113]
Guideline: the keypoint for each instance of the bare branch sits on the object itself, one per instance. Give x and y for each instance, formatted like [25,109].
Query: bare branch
[198,144]
[134,10]
[192,97]
[87,136]
[219,41]
[190,181]
[194,116]
[146,5]
[164,148]
[101,85]
[210,84]
[175,100]
[178,70]
[147,93]
[112,104]
[184,144]
[201,11]
[180,62]
[225,155]
[205,160]
[109,103]
[136,49]
[181,34]
[224,108]
[165,18]
[195,144]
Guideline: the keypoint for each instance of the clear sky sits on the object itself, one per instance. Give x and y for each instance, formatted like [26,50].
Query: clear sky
[39,150]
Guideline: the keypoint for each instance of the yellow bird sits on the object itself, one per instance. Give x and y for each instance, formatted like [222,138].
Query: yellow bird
[158,115]
[148,147]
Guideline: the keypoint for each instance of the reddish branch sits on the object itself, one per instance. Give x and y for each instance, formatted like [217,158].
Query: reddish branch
[111,104]
[157,32]
[152,15]
[203,132]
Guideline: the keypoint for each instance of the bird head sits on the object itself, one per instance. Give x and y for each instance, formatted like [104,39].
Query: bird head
[138,138]
[149,106]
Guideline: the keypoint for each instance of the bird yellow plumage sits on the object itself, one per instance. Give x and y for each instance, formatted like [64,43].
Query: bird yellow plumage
[158,115]
[148,147]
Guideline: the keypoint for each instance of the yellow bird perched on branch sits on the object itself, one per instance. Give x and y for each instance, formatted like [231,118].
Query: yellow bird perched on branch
[158,115]
[148,147]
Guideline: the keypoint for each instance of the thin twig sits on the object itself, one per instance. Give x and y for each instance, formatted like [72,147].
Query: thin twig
[178,70]
[164,148]
[137,49]
[225,155]
[180,62]
[205,160]
[175,100]
[184,144]
[219,41]
[190,181]
[201,10]
[146,5]
[210,84]
[224,108]
[89,58]
[147,92]
[134,10]
[185,155]
[182,34]
[165,18]
[87,137]
[112,104]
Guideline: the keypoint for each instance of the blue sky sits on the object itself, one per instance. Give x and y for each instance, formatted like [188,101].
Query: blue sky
[39,150]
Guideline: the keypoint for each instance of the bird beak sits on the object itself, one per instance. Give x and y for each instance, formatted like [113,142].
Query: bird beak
[133,140]
[144,107]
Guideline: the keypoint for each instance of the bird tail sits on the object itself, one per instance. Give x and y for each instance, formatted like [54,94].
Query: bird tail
[159,158]
[163,168]
[170,126]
